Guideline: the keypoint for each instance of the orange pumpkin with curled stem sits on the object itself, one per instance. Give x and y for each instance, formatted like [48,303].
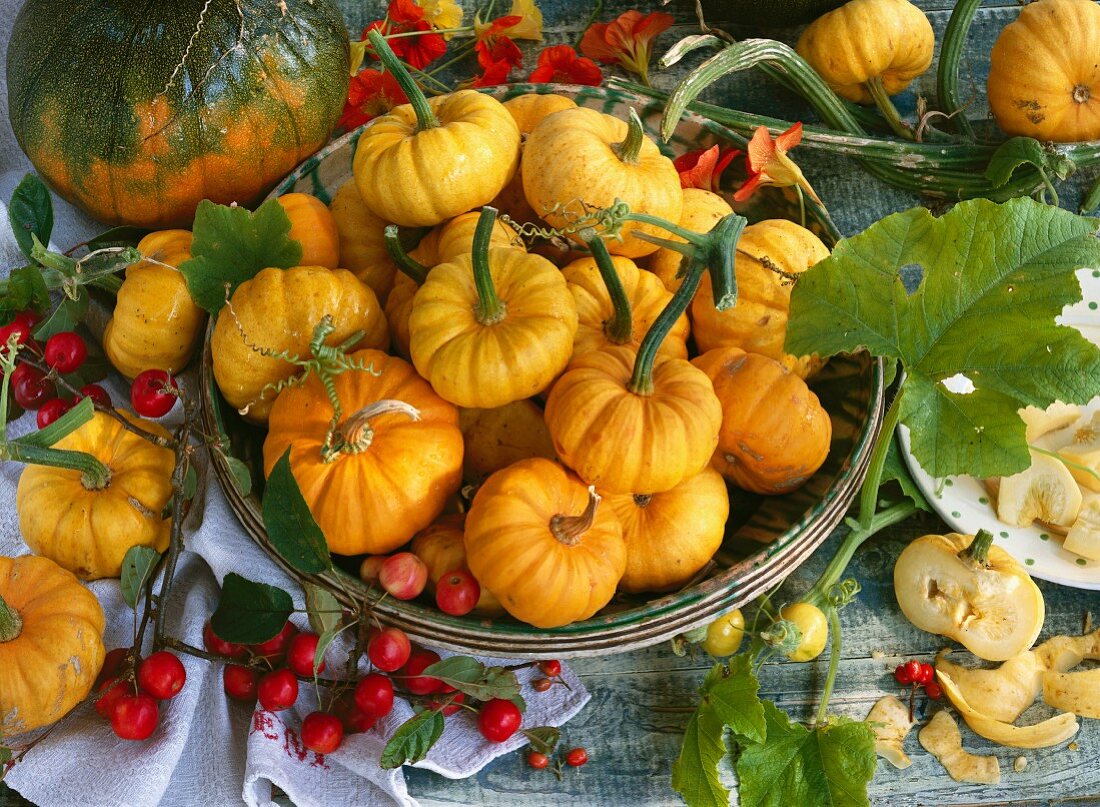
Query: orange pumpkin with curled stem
[539,540]
[312,226]
[429,160]
[617,303]
[671,536]
[389,467]
[637,423]
[775,433]
[492,327]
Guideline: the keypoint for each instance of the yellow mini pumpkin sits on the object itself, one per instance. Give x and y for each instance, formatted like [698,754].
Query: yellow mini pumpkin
[87,525]
[390,467]
[362,241]
[51,643]
[442,547]
[312,226]
[155,325]
[1044,77]
[702,210]
[429,160]
[528,111]
[493,327]
[758,323]
[539,540]
[277,311]
[583,156]
[671,536]
[495,438]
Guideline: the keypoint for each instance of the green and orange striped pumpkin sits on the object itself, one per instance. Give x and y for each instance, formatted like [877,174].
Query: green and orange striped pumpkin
[135,111]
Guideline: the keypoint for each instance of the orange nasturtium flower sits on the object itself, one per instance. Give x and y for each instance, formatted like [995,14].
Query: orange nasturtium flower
[560,63]
[703,168]
[768,163]
[626,40]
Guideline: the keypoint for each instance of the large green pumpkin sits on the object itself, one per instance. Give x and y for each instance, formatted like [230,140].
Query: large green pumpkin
[136,110]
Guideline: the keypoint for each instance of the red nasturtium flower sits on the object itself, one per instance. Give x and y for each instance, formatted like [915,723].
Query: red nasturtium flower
[371,93]
[768,163]
[626,40]
[497,54]
[561,63]
[405,17]
[703,168]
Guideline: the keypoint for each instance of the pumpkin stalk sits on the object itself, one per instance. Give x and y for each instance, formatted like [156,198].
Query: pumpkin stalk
[978,551]
[355,434]
[490,308]
[425,117]
[94,475]
[620,327]
[11,624]
[569,529]
[631,146]
[886,107]
[416,271]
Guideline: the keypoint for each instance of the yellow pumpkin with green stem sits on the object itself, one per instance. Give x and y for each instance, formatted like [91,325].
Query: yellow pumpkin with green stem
[539,540]
[312,226]
[276,312]
[155,325]
[1044,79]
[581,157]
[528,111]
[362,240]
[702,210]
[51,643]
[85,519]
[640,423]
[671,536]
[442,547]
[492,327]
[390,465]
[429,160]
[617,303]
[769,256]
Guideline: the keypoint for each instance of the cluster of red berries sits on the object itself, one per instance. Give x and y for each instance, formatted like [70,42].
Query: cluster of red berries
[290,656]
[914,673]
[131,702]
[404,576]
[574,757]
[66,352]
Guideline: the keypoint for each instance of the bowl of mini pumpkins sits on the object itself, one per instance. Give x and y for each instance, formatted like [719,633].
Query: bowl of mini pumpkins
[500,420]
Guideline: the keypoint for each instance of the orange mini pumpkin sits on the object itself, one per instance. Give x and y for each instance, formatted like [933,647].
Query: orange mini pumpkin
[312,226]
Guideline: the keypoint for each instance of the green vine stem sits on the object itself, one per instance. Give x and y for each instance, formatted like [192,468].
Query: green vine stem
[620,327]
[716,251]
[835,646]
[631,146]
[490,308]
[886,106]
[425,117]
[416,271]
[947,74]
[11,624]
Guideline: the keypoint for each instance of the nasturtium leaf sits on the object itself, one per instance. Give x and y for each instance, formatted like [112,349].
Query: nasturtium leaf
[322,607]
[992,279]
[137,564]
[470,676]
[232,244]
[827,767]
[290,526]
[250,612]
[1017,151]
[413,739]
[30,211]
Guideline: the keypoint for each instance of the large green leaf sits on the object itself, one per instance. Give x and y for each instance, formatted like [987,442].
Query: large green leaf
[250,612]
[289,523]
[413,739]
[973,293]
[30,212]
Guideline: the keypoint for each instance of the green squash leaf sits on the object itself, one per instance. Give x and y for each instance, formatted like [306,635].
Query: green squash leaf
[137,565]
[972,293]
[31,211]
[413,739]
[249,612]
[289,524]
[1017,151]
[470,676]
[231,245]
[827,767]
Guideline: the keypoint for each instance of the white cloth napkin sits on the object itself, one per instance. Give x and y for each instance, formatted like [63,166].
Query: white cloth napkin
[207,749]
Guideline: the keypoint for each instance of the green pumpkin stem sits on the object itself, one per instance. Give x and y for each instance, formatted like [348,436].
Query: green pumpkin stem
[490,308]
[620,328]
[415,270]
[94,475]
[978,551]
[889,112]
[629,149]
[716,253]
[425,117]
[11,624]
